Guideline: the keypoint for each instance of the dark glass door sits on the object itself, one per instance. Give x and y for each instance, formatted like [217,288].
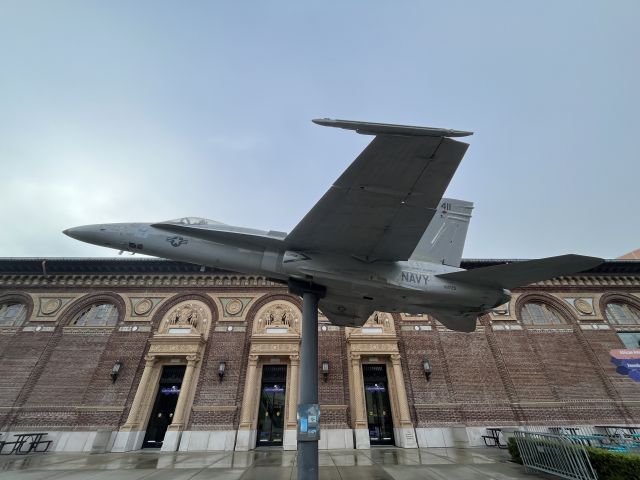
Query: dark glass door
[271,414]
[378,406]
[164,406]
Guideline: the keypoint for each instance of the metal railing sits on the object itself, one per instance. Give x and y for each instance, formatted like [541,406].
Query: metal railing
[554,454]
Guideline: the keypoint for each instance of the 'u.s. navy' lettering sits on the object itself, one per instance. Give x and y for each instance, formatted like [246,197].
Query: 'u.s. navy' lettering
[417,278]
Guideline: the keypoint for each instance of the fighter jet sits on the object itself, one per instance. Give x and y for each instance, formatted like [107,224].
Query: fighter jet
[381,238]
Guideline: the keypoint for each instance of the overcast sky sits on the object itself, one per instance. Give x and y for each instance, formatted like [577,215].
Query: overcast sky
[145,111]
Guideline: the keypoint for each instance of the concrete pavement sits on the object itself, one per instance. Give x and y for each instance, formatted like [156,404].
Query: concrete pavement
[276,464]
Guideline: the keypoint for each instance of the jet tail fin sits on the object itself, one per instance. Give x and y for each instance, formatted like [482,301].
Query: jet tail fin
[443,240]
[511,275]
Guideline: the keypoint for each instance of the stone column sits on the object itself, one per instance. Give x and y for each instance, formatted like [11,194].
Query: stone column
[172,438]
[143,386]
[360,427]
[180,412]
[246,439]
[405,434]
[130,435]
[290,441]
[358,399]
[292,400]
[246,416]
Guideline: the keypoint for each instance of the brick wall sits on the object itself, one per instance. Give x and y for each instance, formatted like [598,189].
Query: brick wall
[61,379]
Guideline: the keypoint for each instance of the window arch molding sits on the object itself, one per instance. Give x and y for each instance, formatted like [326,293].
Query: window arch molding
[563,310]
[618,297]
[179,298]
[84,302]
[22,298]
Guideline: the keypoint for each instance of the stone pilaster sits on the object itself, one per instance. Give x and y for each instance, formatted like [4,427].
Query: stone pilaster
[133,421]
[185,391]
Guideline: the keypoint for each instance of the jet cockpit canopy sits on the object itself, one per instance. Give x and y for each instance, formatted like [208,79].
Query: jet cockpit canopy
[193,221]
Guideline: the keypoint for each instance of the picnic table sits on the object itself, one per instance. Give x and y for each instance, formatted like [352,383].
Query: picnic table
[34,440]
[617,429]
[493,437]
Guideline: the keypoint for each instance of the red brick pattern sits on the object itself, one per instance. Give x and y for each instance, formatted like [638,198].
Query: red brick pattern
[61,379]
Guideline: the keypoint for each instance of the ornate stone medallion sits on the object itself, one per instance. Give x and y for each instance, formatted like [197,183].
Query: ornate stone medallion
[51,306]
[233,306]
[583,306]
[143,306]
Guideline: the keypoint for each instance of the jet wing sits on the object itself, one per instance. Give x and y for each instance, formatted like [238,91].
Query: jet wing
[381,205]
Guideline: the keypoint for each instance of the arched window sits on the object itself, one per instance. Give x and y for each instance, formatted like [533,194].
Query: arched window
[97,315]
[622,313]
[12,314]
[535,313]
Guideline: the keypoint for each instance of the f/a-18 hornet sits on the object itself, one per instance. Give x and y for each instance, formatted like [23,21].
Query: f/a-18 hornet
[381,238]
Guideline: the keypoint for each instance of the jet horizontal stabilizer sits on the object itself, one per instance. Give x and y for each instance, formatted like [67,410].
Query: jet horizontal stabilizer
[370,128]
[518,274]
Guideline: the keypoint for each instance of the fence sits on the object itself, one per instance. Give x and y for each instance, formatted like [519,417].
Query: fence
[554,454]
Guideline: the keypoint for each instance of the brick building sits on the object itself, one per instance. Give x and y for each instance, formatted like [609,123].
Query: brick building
[122,354]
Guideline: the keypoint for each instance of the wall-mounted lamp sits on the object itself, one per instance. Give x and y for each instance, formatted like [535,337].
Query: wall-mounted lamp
[115,370]
[426,364]
[221,368]
[325,369]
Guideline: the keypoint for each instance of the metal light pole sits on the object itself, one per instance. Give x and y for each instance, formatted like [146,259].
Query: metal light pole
[307,448]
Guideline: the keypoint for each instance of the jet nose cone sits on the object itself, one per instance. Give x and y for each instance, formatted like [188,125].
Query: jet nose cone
[71,232]
[86,233]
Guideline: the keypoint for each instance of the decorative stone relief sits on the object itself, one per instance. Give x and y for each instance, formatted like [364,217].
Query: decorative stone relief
[50,306]
[187,317]
[234,306]
[584,305]
[161,348]
[276,347]
[279,317]
[377,323]
[143,306]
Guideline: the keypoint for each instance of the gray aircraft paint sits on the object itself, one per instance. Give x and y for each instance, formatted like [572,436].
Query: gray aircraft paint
[378,205]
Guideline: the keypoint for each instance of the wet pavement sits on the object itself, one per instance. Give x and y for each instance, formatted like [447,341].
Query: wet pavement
[374,464]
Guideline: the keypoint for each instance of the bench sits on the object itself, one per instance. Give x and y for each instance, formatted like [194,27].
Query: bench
[493,438]
[34,440]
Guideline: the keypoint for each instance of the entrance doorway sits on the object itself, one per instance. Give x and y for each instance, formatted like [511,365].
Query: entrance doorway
[376,389]
[271,415]
[164,406]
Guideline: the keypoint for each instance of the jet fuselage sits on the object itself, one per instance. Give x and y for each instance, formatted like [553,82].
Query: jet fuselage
[401,286]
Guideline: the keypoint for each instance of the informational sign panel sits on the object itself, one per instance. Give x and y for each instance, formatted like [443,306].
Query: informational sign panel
[308,422]
[627,362]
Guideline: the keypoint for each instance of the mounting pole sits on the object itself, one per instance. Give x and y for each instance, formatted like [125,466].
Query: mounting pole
[311,294]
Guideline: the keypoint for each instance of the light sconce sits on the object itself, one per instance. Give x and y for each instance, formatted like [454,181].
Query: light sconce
[115,370]
[426,365]
[221,368]
[325,369]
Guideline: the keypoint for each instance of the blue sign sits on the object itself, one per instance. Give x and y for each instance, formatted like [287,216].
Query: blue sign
[173,390]
[274,389]
[375,388]
[627,362]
